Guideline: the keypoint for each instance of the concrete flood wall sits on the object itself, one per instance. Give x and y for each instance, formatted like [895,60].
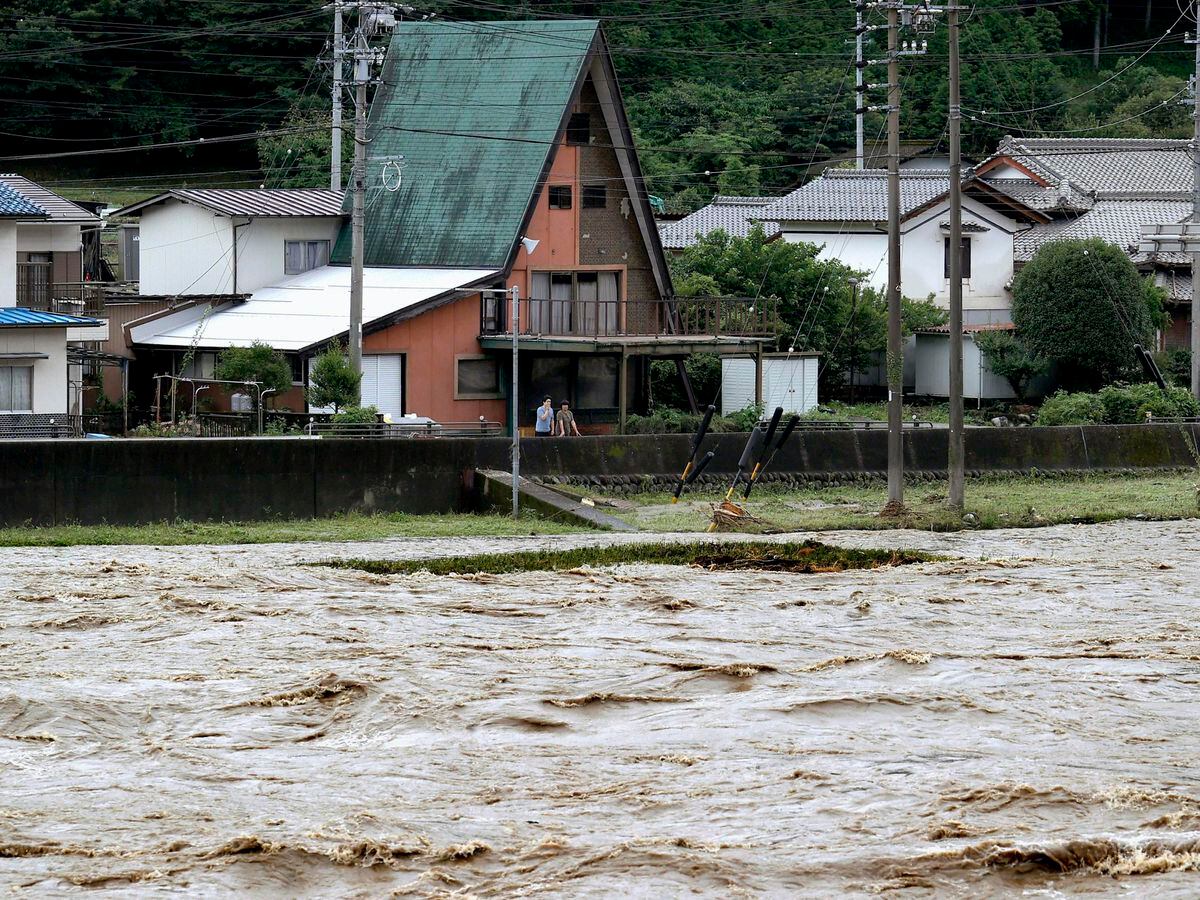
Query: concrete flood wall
[240,479]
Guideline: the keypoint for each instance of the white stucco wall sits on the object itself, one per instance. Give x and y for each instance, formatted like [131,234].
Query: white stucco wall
[8,263]
[37,237]
[184,249]
[922,261]
[933,370]
[49,375]
[855,244]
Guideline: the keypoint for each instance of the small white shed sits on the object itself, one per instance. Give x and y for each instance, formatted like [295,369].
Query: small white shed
[933,365]
[789,380]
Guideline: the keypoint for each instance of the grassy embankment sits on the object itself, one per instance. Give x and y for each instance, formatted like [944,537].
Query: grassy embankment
[341,528]
[995,502]
[809,556]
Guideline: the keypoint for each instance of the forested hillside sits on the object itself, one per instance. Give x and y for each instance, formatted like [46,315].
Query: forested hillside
[737,98]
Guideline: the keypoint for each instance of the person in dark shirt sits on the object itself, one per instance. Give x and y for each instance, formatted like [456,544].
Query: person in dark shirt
[564,421]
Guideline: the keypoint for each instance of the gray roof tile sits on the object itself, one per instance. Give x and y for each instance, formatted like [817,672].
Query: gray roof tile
[56,208]
[1116,221]
[14,204]
[733,215]
[857,196]
[1104,165]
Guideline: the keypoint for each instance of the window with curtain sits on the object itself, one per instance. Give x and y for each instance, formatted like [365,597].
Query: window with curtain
[562,294]
[301,256]
[582,303]
[586,295]
[16,389]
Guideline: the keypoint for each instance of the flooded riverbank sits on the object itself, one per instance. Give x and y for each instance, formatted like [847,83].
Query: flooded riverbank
[222,721]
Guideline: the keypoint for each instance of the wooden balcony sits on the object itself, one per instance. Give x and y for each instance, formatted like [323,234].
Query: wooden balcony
[691,317]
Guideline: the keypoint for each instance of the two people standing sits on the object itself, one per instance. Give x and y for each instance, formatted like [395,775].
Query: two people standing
[550,423]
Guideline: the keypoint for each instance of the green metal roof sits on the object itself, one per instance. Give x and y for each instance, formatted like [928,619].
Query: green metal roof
[474,109]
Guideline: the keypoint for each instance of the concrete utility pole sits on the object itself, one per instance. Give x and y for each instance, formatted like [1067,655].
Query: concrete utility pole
[335,147]
[1195,39]
[516,380]
[372,19]
[859,110]
[358,185]
[895,351]
[956,441]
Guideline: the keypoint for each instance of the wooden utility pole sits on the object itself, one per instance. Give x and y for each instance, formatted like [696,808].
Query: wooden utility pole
[956,441]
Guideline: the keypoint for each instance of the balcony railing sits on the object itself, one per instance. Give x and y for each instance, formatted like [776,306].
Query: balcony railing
[35,290]
[681,316]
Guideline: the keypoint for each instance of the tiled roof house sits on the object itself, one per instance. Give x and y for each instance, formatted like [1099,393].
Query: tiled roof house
[733,215]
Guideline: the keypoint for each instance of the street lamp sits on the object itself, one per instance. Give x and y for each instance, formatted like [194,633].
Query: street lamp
[530,244]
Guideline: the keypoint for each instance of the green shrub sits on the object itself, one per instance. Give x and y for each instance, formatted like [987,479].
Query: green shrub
[1118,404]
[1062,408]
[1081,305]
[357,415]
[1129,404]
[1176,365]
[746,418]
[664,420]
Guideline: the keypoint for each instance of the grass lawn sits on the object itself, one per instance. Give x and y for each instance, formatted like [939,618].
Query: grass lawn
[342,528]
[995,501]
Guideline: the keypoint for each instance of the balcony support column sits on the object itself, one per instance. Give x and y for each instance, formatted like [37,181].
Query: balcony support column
[758,376]
[622,392]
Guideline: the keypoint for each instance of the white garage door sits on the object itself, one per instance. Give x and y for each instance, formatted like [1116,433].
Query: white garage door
[383,383]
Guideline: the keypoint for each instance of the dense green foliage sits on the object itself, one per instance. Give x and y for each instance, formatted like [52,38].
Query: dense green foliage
[259,362]
[739,100]
[334,382]
[666,389]
[665,420]
[1011,360]
[819,307]
[1117,404]
[357,415]
[1176,365]
[1082,306]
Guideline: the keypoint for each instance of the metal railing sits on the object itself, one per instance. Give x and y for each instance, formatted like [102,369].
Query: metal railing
[392,430]
[225,425]
[686,316]
[35,290]
[862,425]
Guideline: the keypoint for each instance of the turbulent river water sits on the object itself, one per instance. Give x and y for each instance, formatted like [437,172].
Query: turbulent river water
[221,721]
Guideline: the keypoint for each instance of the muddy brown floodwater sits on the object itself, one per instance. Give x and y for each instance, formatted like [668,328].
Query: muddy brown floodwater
[219,721]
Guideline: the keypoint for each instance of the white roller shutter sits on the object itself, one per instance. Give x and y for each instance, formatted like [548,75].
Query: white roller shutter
[383,383]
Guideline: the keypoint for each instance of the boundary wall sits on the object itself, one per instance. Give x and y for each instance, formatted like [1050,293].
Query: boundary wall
[243,479]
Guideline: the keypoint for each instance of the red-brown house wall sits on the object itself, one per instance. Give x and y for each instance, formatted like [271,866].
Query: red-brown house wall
[431,342]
